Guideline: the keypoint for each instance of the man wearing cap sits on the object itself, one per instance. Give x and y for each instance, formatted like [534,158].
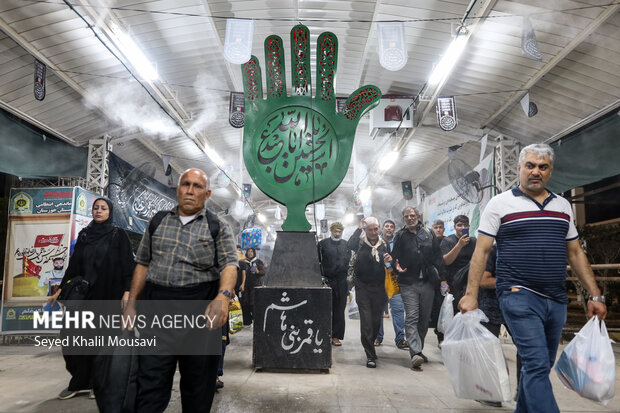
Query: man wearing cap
[335,256]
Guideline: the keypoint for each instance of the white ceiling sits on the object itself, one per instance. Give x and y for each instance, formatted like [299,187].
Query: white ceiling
[91,93]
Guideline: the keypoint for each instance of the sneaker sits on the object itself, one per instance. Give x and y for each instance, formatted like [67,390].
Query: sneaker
[67,394]
[377,343]
[403,345]
[489,403]
[371,364]
[424,357]
[91,394]
[416,361]
[219,384]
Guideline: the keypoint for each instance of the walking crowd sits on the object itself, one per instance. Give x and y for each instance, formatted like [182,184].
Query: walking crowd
[514,271]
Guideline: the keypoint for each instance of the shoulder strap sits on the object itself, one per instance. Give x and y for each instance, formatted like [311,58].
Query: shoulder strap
[214,227]
[155,221]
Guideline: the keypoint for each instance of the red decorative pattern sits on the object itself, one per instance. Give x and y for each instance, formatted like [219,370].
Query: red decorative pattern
[251,71]
[327,55]
[301,71]
[356,104]
[276,81]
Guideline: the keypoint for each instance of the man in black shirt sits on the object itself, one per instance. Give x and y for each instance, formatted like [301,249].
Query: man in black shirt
[420,268]
[457,250]
[335,262]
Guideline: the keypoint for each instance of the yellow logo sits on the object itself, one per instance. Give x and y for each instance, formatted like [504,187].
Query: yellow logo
[21,204]
[10,314]
[82,204]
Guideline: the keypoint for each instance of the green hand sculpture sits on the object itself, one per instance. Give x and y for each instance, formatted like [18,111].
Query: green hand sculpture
[297,148]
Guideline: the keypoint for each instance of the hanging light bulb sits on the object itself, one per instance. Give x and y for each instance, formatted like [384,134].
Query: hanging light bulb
[238,42]
[348,219]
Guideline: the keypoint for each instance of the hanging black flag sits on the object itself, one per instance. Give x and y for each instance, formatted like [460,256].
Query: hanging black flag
[407,191]
[446,113]
[236,110]
[39,80]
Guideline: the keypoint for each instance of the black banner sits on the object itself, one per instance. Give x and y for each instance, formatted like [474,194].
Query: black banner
[39,80]
[236,110]
[446,113]
[136,195]
[407,190]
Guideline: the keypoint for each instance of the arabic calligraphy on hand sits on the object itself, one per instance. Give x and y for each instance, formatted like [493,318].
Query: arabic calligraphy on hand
[295,143]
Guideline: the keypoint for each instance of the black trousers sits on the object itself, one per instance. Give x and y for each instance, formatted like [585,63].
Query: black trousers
[81,369]
[198,372]
[340,291]
[371,299]
[437,301]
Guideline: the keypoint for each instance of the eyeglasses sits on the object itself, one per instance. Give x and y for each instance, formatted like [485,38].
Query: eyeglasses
[412,216]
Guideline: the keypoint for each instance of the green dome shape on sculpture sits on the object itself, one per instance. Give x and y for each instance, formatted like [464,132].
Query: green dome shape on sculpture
[297,148]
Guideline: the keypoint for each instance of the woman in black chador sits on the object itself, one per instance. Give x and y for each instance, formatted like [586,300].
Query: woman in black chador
[104,259]
[253,279]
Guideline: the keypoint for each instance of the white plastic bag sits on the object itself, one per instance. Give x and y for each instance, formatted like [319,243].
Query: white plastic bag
[587,365]
[354,311]
[474,359]
[446,314]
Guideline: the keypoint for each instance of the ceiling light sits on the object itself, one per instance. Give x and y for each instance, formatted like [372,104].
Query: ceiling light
[348,219]
[388,160]
[133,53]
[444,67]
[365,194]
[261,217]
[213,155]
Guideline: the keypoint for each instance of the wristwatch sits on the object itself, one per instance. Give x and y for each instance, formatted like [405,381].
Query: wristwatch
[599,299]
[226,294]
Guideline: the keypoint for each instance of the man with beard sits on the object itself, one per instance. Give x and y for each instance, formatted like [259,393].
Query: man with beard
[420,268]
[334,256]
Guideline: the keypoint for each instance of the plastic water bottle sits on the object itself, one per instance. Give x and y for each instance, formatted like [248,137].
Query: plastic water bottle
[444,289]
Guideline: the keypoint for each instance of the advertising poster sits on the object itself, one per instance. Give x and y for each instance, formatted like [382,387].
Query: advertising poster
[81,213]
[445,203]
[37,251]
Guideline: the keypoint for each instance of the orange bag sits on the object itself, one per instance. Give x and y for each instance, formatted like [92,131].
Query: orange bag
[391,285]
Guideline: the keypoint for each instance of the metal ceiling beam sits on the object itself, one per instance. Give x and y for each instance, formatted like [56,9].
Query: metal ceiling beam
[583,122]
[483,11]
[594,24]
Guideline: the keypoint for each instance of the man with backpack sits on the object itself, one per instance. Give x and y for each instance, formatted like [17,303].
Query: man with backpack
[185,254]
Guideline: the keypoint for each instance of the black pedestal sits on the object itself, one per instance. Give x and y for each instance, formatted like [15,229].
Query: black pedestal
[292,328]
[293,311]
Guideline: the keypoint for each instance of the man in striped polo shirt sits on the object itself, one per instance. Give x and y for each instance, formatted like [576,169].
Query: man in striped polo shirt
[535,237]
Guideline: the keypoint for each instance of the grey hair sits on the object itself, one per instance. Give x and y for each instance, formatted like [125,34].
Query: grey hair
[539,149]
[370,221]
[411,208]
[204,175]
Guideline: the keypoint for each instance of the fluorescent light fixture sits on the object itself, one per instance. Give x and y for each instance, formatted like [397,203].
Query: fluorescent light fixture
[261,217]
[133,53]
[213,155]
[388,160]
[348,219]
[365,194]
[444,67]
